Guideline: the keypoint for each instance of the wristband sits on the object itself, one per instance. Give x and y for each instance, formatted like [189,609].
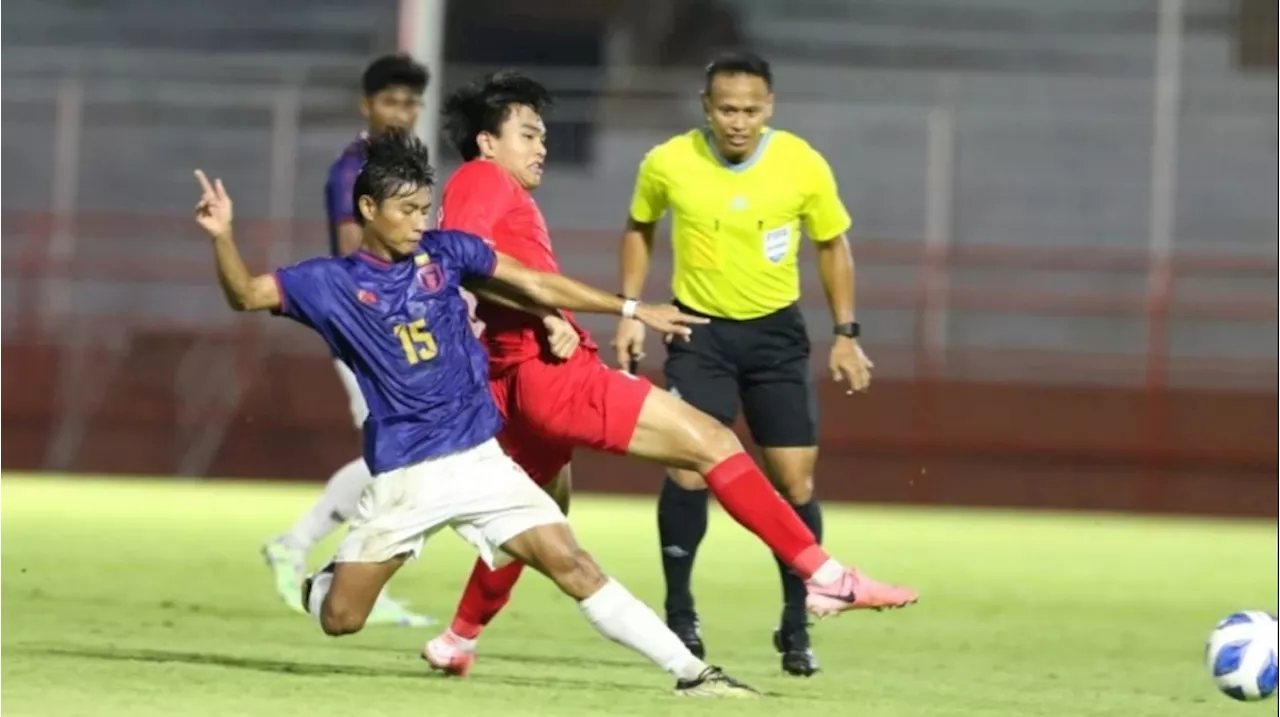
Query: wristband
[629,307]
[850,329]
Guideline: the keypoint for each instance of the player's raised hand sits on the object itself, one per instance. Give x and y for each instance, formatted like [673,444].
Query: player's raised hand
[561,337]
[668,319]
[214,210]
[850,364]
[628,342]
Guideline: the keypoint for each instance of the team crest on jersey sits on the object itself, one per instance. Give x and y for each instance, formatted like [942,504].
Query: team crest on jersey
[431,277]
[365,296]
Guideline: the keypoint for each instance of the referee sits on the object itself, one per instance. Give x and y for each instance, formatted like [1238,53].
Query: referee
[741,194]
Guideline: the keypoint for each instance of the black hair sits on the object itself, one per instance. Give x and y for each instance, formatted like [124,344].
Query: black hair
[740,62]
[484,105]
[396,163]
[398,70]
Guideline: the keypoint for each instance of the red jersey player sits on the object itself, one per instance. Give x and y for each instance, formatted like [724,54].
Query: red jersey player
[552,407]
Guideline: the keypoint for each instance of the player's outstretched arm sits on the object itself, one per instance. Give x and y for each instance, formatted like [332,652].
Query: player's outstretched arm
[244,291]
[496,293]
[565,293]
[562,338]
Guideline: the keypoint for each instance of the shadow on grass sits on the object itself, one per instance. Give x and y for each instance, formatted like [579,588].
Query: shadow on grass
[635,663]
[535,660]
[285,667]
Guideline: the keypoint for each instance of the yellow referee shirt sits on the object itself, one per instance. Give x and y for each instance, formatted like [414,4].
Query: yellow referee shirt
[736,228]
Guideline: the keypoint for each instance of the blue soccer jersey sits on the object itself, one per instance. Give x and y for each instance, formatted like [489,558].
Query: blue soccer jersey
[339,204]
[402,327]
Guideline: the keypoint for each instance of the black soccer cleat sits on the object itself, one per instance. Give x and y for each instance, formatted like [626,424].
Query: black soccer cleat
[797,654]
[686,628]
[713,682]
[306,594]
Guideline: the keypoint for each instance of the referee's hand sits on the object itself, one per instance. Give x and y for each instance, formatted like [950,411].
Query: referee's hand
[628,343]
[850,364]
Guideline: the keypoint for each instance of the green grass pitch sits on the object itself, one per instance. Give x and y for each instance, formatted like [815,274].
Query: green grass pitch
[148,598]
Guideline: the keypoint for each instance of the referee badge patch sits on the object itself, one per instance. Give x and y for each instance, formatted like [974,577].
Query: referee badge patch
[777,244]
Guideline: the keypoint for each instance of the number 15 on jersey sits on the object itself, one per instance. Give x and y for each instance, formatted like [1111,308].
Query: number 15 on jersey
[418,343]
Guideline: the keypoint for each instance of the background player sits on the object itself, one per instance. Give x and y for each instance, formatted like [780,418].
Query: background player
[551,408]
[394,313]
[392,88]
[741,194]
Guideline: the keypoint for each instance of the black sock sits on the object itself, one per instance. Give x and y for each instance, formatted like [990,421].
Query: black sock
[682,523]
[794,616]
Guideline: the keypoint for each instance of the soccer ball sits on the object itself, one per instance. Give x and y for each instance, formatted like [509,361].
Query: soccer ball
[1242,655]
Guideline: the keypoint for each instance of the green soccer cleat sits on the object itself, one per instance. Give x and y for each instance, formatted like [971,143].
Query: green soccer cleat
[288,566]
[387,611]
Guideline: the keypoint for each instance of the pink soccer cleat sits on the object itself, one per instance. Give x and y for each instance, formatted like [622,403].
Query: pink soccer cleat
[855,591]
[446,653]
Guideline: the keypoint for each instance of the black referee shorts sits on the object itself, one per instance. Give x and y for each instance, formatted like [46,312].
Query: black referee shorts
[763,362]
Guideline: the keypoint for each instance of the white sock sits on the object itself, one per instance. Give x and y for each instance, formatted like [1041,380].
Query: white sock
[320,585]
[619,616]
[466,644]
[336,505]
[827,573]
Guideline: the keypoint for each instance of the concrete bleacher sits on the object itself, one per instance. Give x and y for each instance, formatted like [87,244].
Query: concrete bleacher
[1084,36]
[282,27]
[1052,108]
[1057,155]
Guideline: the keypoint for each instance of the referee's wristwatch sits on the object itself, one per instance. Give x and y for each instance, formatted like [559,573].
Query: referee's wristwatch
[849,329]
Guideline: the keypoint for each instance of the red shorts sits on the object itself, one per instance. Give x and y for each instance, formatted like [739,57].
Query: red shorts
[552,408]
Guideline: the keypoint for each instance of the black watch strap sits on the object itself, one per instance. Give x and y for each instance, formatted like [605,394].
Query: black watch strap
[850,329]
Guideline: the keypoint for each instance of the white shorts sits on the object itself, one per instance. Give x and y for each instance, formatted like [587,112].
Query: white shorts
[355,399]
[481,493]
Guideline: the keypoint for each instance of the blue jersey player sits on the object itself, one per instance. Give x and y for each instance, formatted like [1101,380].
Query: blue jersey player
[391,97]
[394,313]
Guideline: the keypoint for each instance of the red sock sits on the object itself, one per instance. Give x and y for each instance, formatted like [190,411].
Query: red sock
[748,496]
[487,592]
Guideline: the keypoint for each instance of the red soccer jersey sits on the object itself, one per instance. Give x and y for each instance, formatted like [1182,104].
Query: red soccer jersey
[483,199]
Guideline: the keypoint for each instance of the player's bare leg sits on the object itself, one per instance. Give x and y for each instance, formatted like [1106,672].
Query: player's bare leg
[676,434]
[342,595]
[671,431]
[615,613]
[286,554]
[453,651]
[561,489]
